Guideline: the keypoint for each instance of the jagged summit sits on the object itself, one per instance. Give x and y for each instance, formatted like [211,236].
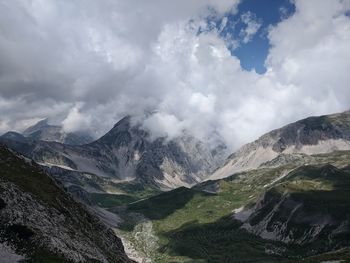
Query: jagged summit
[120,134]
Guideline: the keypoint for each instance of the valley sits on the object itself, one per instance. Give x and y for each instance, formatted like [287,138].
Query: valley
[190,131]
[199,225]
[287,207]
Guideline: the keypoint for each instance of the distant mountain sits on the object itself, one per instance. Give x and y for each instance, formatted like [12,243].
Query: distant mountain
[46,132]
[126,153]
[40,222]
[309,136]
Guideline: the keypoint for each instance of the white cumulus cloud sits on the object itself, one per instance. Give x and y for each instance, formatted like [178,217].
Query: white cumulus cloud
[86,64]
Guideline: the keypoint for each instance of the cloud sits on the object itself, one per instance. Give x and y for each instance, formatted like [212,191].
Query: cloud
[60,52]
[251,28]
[86,64]
[315,57]
[75,120]
[163,125]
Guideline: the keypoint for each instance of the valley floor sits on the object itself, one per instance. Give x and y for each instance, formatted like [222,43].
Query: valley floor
[197,225]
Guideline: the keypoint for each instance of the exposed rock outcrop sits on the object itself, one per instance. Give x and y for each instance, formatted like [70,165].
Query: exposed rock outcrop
[313,135]
[39,220]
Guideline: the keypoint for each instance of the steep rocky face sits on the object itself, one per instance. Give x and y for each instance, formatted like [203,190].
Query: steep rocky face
[46,132]
[40,222]
[308,207]
[126,153]
[309,136]
[184,160]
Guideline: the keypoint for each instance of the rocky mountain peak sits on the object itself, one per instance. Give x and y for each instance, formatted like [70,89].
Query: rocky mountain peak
[181,161]
[122,134]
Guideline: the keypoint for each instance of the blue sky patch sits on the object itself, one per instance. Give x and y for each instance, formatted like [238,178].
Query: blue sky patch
[252,50]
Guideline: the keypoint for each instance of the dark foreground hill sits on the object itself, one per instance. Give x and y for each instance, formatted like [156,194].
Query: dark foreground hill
[40,222]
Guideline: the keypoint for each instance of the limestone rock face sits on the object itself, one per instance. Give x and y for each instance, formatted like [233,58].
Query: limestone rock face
[308,206]
[313,135]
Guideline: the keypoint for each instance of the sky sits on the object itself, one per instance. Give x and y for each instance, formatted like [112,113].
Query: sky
[225,69]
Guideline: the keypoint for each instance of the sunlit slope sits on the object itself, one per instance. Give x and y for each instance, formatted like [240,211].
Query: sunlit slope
[197,225]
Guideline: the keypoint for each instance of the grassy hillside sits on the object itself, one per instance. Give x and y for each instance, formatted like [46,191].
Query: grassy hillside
[193,224]
[196,225]
[122,194]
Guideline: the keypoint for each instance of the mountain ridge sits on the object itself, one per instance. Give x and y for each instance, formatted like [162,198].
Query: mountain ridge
[312,135]
[126,153]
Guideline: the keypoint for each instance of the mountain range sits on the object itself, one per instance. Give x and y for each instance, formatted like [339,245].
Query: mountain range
[126,153]
[281,198]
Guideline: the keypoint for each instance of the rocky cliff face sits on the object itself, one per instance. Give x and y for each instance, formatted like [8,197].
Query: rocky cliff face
[126,153]
[46,132]
[39,221]
[182,161]
[309,136]
[308,207]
